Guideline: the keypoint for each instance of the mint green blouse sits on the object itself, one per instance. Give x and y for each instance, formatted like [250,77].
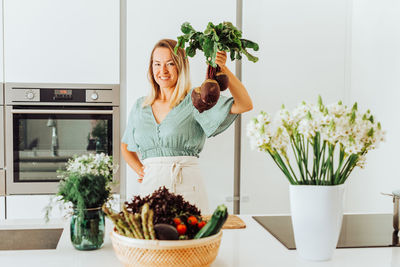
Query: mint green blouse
[182,132]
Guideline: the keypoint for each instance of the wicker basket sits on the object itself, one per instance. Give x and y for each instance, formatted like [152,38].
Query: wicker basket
[157,253]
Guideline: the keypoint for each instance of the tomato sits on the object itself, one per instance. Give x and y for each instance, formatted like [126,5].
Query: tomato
[201,224]
[181,228]
[192,220]
[177,221]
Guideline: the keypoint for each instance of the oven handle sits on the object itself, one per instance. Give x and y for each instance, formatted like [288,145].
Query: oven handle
[56,111]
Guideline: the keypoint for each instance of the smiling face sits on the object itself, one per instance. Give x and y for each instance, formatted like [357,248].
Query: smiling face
[165,72]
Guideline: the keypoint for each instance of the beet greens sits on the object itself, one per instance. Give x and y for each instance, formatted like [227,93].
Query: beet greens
[223,37]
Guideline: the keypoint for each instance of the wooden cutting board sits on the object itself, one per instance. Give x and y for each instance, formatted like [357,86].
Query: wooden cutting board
[233,222]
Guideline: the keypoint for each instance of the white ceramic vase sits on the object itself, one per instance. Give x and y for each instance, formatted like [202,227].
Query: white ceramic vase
[317,213]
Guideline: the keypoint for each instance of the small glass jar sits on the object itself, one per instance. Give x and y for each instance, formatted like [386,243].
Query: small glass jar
[87,228]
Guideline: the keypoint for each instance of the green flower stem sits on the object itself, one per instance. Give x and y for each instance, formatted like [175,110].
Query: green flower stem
[321,163]
[297,155]
[352,163]
[331,153]
[341,160]
[281,165]
[305,158]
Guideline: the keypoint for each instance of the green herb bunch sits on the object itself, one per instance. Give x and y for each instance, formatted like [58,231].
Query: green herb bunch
[221,37]
[87,181]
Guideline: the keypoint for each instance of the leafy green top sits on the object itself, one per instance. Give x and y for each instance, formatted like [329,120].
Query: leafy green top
[87,181]
[222,37]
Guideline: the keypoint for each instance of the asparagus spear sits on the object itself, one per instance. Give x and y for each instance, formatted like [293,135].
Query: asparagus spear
[130,223]
[150,225]
[145,214]
[114,217]
[136,225]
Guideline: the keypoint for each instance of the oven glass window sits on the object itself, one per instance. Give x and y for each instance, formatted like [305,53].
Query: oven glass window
[43,143]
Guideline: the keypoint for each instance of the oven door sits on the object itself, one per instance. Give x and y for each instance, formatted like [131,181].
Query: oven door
[40,141]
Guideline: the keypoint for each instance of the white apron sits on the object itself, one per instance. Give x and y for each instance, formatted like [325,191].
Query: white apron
[180,174]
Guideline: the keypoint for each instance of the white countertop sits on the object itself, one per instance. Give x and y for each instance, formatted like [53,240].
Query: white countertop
[249,247]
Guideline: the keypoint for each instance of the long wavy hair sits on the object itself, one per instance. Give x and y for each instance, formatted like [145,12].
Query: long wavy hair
[183,83]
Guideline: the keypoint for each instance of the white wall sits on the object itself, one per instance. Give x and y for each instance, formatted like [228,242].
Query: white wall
[375,85]
[302,55]
[151,21]
[346,50]
[61,41]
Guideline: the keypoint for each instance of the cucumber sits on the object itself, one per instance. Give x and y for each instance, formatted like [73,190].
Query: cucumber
[215,224]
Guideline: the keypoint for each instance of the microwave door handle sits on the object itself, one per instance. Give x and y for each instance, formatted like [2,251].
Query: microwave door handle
[56,111]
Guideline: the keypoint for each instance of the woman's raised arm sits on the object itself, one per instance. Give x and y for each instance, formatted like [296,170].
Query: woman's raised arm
[242,101]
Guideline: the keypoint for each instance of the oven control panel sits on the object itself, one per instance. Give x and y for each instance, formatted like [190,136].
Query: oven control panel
[65,94]
[26,95]
[45,95]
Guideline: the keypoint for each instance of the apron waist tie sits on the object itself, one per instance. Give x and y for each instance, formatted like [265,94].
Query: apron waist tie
[176,174]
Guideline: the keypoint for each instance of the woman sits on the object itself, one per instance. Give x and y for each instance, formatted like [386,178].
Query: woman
[169,133]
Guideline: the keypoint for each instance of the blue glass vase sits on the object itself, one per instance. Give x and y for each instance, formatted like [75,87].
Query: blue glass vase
[87,229]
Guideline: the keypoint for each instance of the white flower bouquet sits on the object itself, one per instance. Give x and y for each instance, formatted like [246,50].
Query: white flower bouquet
[327,142]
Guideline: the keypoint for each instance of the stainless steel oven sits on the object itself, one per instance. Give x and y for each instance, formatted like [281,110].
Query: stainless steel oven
[46,124]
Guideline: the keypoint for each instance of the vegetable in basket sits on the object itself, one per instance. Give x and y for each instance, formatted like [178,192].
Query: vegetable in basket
[215,224]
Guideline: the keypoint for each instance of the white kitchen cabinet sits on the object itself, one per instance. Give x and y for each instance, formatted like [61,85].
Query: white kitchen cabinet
[30,207]
[2,208]
[303,48]
[33,206]
[148,22]
[61,41]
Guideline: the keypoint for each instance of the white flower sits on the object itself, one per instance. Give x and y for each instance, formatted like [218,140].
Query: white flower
[335,127]
[92,164]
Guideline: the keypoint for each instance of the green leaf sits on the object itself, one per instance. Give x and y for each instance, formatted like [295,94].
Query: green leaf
[249,44]
[223,37]
[186,28]
[249,56]
[232,54]
[190,51]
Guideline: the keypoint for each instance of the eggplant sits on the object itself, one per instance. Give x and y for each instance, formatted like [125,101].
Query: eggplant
[166,232]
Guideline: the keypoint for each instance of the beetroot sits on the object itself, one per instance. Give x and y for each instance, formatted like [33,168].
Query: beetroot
[222,80]
[198,103]
[209,91]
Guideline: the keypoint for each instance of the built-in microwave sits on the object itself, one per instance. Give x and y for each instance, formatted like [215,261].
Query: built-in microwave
[47,124]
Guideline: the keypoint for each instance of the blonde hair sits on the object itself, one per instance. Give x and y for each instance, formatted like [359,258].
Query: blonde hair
[183,83]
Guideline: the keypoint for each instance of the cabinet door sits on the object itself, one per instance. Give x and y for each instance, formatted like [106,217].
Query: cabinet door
[302,55]
[2,208]
[61,41]
[216,159]
[31,207]
[34,206]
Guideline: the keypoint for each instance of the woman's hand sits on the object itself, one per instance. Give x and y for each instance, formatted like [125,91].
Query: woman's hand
[140,172]
[220,60]
[133,161]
